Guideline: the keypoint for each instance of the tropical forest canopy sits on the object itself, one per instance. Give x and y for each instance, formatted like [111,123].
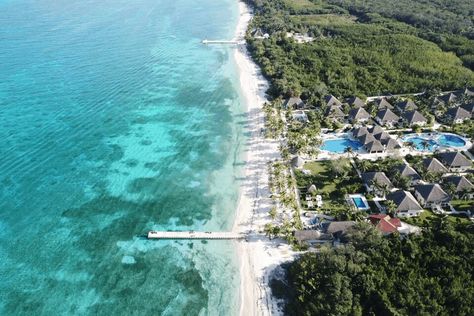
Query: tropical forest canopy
[428,274]
[364,47]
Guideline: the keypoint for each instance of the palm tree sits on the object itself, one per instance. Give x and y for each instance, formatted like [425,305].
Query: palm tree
[425,144]
[349,151]
[390,207]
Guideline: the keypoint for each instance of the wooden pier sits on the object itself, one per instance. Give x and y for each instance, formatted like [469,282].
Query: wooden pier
[193,235]
[206,42]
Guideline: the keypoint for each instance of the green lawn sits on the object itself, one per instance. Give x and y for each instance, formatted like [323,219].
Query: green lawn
[331,188]
[463,205]
[300,4]
[428,216]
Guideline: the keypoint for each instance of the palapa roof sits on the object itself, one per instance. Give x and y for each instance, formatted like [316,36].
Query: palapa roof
[467,91]
[407,171]
[355,102]
[391,144]
[297,162]
[376,177]
[335,111]
[468,107]
[448,98]
[358,114]
[305,235]
[383,104]
[382,136]
[376,129]
[374,146]
[332,101]
[360,131]
[434,165]
[339,227]
[413,117]
[366,138]
[432,193]
[386,115]
[293,102]
[458,113]
[407,105]
[454,159]
[312,188]
[461,183]
[404,201]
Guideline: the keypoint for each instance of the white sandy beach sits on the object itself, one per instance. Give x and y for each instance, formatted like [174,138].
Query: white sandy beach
[258,255]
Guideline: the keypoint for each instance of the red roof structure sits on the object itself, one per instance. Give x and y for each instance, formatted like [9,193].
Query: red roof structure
[384,223]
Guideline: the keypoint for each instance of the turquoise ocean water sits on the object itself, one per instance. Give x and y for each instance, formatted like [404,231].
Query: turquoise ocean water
[115,120]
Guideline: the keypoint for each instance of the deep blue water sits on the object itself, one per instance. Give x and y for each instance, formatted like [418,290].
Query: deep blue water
[115,120]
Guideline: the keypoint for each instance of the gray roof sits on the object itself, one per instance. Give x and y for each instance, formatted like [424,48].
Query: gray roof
[356,102]
[339,227]
[447,98]
[458,113]
[407,171]
[454,159]
[357,132]
[407,105]
[468,107]
[434,165]
[376,129]
[332,101]
[334,111]
[366,138]
[432,193]
[293,102]
[404,200]
[386,115]
[382,136]
[305,235]
[460,182]
[413,117]
[376,177]
[297,162]
[391,144]
[383,104]
[358,114]
[374,146]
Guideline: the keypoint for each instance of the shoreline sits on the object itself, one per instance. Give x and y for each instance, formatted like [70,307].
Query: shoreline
[254,203]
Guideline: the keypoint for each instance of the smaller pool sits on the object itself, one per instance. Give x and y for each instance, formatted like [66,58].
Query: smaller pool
[359,201]
[451,140]
[339,145]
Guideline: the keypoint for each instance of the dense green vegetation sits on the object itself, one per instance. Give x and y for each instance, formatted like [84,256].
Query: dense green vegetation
[356,51]
[427,274]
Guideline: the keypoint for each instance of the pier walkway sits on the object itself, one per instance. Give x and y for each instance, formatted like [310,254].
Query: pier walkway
[193,235]
[206,41]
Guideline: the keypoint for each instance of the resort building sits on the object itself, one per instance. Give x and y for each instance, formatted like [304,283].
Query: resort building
[457,115]
[358,115]
[387,118]
[338,229]
[406,204]
[360,131]
[293,103]
[376,182]
[462,186]
[407,105]
[414,118]
[355,102]
[434,165]
[383,104]
[455,161]
[300,116]
[335,113]
[431,195]
[407,171]
[391,144]
[297,162]
[332,101]
[384,223]
[469,107]
[374,147]
[447,98]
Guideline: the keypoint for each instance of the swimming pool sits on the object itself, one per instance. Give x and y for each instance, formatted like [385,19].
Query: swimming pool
[432,141]
[339,145]
[359,201]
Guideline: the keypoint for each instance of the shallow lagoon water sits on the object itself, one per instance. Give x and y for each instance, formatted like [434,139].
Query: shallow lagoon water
[115,121]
